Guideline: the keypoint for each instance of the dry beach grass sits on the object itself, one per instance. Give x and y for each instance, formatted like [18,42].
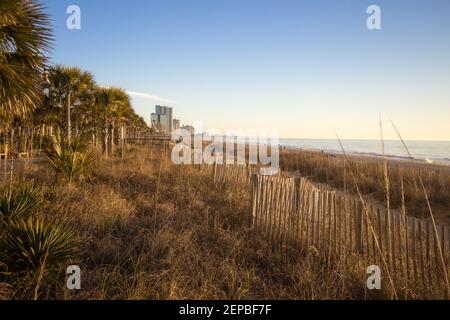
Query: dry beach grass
[333,169]
[152,230]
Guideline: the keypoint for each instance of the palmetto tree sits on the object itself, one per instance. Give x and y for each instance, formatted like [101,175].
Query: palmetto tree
[46,115]
[70,89]
[25,37]
[138,124]
[112,107]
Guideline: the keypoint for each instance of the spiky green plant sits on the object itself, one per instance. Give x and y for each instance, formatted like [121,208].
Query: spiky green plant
[19,202]
[29,245]
[71,159]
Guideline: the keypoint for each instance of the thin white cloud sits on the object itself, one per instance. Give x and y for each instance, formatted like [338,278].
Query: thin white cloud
[149,96]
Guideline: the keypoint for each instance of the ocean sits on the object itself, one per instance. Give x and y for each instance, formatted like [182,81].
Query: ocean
[428,151]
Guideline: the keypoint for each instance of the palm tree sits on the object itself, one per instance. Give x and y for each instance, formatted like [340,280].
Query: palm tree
[138,126]
[70,88]
[121,111]
[46,117]
[112,107]
[25,35]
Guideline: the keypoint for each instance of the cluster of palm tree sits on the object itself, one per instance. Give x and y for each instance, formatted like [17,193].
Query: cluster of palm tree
[25,37]
[72,104]
[44,104]
[37,100]
[75,105]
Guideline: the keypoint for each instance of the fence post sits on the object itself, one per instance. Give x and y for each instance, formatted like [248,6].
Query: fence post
[330,217]
[380,234]
[443,246]
[253,193]
[400,243]
[414,250]
[422,260]
[296,208]
[358,227]
[393,241]
[215,173]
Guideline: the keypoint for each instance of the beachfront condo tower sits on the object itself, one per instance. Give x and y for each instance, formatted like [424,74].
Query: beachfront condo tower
[162,119]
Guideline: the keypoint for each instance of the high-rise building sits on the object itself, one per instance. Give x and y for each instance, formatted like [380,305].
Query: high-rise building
[162,119]
[176,124]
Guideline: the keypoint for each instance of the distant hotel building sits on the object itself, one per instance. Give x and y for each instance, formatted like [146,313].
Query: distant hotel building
[176,124]
[162,119]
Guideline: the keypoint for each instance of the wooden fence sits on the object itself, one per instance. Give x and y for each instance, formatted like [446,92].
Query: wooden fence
[13,168]
[234,174]
[342,225]
[293,209]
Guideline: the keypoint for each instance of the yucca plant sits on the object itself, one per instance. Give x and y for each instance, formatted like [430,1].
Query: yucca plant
[19,202]
[33,244]
[71,159]
[31,248]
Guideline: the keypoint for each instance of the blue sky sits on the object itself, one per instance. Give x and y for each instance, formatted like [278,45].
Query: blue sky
[307,68]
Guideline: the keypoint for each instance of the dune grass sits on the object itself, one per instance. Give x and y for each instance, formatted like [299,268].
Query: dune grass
[152,230]
[404,180]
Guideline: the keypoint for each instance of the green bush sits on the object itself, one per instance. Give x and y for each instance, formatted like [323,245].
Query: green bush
[31,248]
[19,202]
[71,159]
[28,245]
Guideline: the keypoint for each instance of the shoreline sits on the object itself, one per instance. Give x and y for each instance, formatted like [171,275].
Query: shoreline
[372,155]
[426,153]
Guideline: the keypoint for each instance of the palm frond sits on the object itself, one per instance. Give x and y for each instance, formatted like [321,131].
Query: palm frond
[25,37]
[20,202]
[70,159]
[27,244]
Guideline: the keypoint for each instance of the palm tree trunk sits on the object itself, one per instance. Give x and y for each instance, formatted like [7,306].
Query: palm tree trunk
[122,136]
[6,151]
[111,148]
[19,139]
[105,141]
[31,141]
[68,124]
[41,137]
[122,140]
[11,144]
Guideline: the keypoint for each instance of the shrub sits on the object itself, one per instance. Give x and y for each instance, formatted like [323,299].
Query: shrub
[28,245]
[19,202]
[71,159]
